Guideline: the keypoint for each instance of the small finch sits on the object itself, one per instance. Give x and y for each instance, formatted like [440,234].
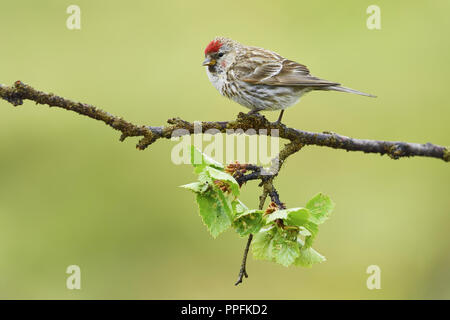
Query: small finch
[260,79]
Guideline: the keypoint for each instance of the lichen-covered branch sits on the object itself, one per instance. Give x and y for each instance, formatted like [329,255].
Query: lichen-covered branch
[19,91]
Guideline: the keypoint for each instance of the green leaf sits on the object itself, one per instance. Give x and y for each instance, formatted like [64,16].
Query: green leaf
[238,207]
[320,207]
[200,160]
[291,217]
[250,221]
[279,214]
[308,256]
[215,210]
[225,177]
[197,187]
[279,245]
[276,245]
[304,232]
[298,217]
[285,251]
[313,230]
[227,203]
[262,245]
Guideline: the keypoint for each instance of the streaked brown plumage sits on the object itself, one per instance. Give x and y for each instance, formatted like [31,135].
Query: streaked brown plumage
[260,79]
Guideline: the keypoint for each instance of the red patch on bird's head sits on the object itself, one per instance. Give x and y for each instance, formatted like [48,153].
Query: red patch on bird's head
[213,46]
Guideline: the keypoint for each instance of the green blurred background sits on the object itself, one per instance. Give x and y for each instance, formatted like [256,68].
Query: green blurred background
[71,193]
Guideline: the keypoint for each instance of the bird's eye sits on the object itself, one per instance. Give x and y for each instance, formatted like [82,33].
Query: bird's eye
[220,55]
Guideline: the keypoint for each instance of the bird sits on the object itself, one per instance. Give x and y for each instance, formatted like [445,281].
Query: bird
[261,79]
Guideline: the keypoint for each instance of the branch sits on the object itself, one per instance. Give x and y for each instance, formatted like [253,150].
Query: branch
[394,149]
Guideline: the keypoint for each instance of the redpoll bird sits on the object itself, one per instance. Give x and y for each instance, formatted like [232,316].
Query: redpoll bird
[260,79]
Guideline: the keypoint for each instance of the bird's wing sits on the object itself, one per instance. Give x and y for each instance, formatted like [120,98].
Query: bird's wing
[283,72]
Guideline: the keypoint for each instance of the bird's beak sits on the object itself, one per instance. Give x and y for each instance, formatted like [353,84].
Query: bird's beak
[209,62]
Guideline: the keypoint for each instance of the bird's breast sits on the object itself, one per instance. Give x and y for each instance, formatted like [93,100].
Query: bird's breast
[217,79]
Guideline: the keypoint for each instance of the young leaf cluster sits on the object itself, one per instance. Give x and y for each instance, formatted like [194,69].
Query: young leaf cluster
[284,236]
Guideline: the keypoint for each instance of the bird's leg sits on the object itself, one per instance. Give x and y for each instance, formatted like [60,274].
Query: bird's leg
[280,117]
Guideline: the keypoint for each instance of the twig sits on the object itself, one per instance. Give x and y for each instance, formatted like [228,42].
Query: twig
[268,189]
[394,149]
[243,270]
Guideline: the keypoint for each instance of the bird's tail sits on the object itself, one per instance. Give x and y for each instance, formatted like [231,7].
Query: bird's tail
[344,89]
